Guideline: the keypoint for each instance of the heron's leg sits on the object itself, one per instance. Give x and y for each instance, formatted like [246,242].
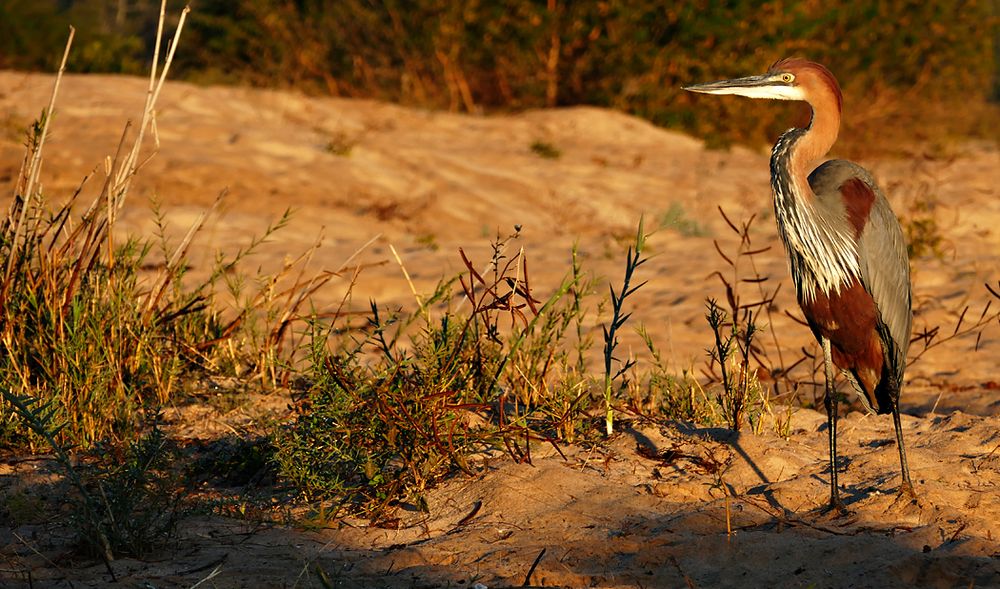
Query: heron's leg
[907,486]
[830,401]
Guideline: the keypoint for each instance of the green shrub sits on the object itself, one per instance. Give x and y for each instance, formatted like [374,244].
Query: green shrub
[405,399]
[384,429]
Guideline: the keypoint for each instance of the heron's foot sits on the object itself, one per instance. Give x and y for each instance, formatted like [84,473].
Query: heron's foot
[906,497]
[907,502]
[835,508]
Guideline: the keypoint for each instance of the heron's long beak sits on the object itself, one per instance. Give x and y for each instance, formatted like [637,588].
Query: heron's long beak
[762,86]
[736,86]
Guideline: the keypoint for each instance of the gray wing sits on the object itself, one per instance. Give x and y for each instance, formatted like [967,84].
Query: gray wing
[885,268]
[885,272]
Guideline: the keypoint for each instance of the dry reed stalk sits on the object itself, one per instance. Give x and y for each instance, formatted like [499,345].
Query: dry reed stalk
[406,275]
[128,168]
[27,195]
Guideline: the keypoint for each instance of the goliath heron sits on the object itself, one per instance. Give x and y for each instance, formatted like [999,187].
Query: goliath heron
[845,248]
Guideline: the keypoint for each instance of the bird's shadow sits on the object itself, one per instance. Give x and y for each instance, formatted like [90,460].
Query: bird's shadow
[732,439]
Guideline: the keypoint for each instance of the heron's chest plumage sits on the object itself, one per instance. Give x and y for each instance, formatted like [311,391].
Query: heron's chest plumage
[819,230]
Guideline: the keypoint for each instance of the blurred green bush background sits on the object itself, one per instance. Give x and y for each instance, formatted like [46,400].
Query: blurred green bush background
[912,70]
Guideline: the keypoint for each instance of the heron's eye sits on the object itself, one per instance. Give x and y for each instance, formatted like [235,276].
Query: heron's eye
[787,78]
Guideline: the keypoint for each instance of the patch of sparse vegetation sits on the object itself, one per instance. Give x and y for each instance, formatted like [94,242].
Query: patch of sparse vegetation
[139,497]
[739,355]
[127,501]
[79,332]
[740,395]
[428,240]
[676,218]
[340,144]
[95,336]
[384,420]
[545,150]
[85,329]
[923,234]
[665,394]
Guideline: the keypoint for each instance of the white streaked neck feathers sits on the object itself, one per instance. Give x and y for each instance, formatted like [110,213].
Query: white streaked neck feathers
[822,255]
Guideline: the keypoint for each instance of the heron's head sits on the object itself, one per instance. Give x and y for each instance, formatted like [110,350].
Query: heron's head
[788,79]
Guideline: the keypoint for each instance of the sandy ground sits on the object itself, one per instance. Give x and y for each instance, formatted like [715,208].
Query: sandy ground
[656,507]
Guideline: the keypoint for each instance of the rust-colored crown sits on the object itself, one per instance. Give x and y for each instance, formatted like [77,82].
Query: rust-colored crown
[803,67]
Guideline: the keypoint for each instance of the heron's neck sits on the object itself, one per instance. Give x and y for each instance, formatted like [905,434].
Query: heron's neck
[796,153]
[814,142]
[823,258]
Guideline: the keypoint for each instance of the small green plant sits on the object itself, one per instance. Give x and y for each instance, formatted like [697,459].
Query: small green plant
[670,395]
[385,430]
[141,499]
[340,144]
[923,237]
[731,353]
[380,420]
[633,259]
[675,218]
[545,149]
[429,241]
[124,505]
[920,224]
